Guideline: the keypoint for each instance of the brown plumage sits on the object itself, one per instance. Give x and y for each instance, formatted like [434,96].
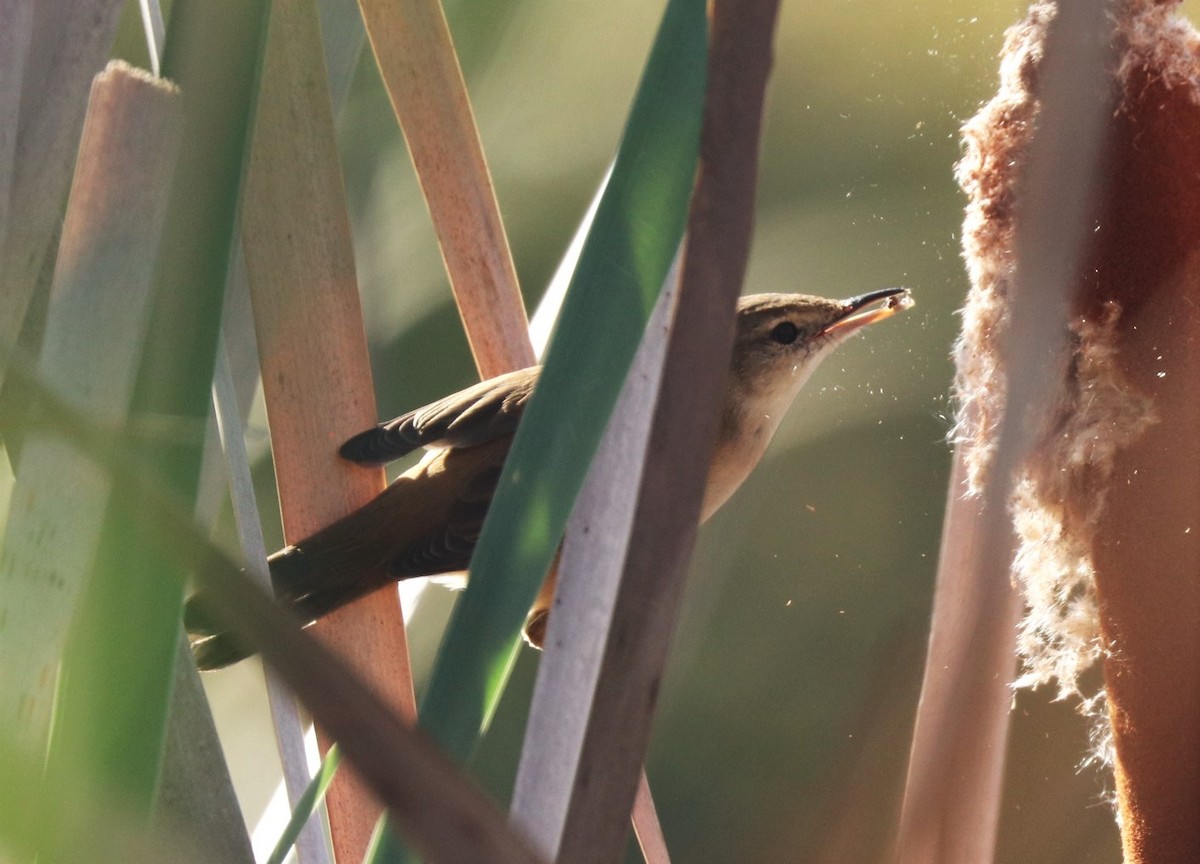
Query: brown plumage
[426,523]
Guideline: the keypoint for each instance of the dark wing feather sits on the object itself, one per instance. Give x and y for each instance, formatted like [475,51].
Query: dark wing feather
[449,549]
[489,410]
[426,523]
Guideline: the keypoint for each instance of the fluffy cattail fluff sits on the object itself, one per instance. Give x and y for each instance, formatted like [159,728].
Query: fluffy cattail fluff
[1061,489]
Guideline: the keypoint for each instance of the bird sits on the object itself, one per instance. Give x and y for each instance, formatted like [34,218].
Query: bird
[428,520]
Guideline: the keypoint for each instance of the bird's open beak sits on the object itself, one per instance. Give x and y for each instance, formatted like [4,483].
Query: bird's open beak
[869,308]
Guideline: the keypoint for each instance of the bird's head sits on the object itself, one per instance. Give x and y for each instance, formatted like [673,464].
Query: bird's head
[781,338]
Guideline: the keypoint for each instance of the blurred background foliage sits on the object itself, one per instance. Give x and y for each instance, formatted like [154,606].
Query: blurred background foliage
[786,716]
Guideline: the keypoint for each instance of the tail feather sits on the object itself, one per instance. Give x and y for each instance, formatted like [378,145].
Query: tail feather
[219,651]
[196,619]
[301,584]
[315,581]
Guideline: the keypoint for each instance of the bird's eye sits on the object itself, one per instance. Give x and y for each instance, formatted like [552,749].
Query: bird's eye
[785,333]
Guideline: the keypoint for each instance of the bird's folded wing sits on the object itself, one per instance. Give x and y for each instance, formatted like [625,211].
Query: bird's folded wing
[447,550]
[425,524]
[489,410]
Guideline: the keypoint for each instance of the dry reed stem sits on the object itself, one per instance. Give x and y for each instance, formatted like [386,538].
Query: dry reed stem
[70,43]
[312,845]
[416,58]
[683,431]
[590,567]
[646,826]
[315,367]
[196,794]
[956,764]
[441,811]
[94,333]
[16,34]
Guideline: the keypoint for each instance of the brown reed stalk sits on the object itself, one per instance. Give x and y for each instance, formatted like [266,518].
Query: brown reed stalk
[420,70]
[313,353]
[682,433]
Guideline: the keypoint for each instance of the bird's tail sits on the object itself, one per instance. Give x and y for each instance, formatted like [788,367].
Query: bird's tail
[212,646]
[302,585]
[218,651]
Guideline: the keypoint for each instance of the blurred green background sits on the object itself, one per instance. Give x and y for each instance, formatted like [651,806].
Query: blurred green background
[786,716]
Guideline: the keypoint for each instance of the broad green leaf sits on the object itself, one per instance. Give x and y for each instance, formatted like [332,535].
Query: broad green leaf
[118,665]
[638,227]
